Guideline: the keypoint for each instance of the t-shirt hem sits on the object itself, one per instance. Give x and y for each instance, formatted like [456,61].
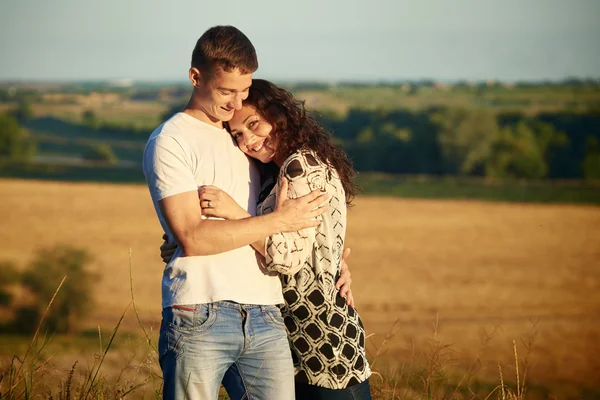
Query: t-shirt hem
[206,300]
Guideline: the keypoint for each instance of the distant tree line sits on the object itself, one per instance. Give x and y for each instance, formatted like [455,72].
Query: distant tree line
[437,141]
[468,142]
[16,144]
[93,122]
[571,83]
[471,142]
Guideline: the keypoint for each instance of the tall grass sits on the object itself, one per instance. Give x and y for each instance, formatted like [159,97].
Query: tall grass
[432,373]
[20,379]
[438,372]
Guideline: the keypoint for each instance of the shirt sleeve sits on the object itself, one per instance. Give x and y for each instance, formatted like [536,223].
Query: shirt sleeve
[168,168]
[286,253]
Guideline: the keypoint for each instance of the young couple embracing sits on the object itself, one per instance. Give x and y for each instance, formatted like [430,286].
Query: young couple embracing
[252,193]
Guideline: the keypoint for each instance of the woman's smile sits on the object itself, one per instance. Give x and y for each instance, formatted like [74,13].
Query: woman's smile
[253,134]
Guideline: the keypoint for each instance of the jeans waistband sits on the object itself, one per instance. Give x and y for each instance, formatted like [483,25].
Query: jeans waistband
[224,303]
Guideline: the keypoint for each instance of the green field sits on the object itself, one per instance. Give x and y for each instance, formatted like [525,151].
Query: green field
[394,133]
[428,187]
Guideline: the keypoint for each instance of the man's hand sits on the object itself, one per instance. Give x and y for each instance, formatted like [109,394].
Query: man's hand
[217,203]
[167,249]
[300,213]
[344,283]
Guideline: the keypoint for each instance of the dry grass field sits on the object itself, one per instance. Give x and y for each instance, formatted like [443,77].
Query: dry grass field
[448,282]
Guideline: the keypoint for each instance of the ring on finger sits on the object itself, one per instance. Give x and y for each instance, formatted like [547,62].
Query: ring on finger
[208,203]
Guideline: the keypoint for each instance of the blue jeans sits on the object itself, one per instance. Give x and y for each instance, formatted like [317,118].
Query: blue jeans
[361,391]
[199,343]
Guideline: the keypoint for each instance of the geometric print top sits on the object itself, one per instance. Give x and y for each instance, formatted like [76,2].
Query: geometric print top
[326,336]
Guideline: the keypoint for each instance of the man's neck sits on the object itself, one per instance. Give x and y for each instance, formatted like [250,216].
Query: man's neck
[198,113]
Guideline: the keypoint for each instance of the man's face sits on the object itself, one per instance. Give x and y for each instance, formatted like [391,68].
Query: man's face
[220,93]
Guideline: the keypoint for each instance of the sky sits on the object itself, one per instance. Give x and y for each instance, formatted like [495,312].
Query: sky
[308,40]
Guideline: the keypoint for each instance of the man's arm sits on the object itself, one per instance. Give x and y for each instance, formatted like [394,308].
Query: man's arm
[200,237]
[218,203]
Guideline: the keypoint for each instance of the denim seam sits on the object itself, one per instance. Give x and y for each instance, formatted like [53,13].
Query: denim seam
[246,389]
[272,319]
[163,333]
[178,347]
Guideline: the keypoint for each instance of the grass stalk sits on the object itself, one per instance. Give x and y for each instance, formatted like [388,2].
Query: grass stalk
[112,338]
[23,377]
[135,310]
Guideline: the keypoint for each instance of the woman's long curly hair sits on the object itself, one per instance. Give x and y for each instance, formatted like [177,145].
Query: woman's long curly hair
[294,130]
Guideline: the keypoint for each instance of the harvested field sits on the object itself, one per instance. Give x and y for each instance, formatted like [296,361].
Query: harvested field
[434,273]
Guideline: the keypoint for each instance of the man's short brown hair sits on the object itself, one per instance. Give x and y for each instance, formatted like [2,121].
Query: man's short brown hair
[226,47]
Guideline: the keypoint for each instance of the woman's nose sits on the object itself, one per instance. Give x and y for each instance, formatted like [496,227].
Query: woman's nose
[249,139]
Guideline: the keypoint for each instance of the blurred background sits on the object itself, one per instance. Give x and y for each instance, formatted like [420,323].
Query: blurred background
[475,126]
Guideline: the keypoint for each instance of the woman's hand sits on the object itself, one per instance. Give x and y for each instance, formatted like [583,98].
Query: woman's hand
[167,249]
[344,283]
[302,212]
[217,203]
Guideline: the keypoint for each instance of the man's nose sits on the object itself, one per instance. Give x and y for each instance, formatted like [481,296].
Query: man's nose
[237,101]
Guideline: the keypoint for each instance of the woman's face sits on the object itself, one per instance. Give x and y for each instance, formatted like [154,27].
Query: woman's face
[254,135]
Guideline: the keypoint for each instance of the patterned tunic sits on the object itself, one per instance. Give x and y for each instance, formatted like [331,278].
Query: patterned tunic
[327,337]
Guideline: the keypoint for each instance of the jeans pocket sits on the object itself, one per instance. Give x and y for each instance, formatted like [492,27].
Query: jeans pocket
[272,316]
[193,319]
[170,345]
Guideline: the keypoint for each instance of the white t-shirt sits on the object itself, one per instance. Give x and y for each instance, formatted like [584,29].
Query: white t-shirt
[181,155]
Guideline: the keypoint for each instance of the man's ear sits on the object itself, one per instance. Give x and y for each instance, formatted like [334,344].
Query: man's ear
[195,77]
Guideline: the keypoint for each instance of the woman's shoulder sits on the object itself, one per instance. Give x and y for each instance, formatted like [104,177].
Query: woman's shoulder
[300,163]
[305,168]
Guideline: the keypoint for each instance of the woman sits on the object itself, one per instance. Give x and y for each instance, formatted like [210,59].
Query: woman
[326,334]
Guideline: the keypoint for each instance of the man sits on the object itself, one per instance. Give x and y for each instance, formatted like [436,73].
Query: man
[219,308]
